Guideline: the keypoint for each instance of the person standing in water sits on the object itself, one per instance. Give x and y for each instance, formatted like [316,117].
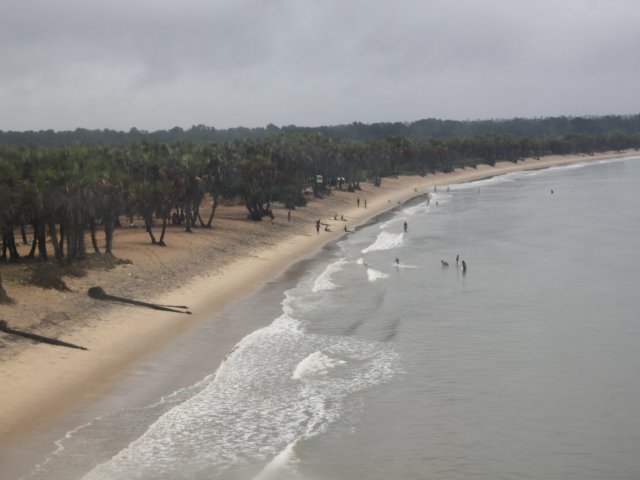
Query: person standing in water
[318,226]
[464,267]
[457,259]
[405,226]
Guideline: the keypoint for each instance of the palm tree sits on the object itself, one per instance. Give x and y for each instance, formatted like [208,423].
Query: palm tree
[10,201]
[216,179]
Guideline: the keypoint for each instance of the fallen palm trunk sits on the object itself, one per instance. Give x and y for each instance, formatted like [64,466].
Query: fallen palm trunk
[37,338]
[99,294]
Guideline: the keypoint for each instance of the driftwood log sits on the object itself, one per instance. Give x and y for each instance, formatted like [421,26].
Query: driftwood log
[4,327]
[98,293]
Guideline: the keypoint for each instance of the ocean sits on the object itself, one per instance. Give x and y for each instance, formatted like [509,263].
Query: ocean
[375,360]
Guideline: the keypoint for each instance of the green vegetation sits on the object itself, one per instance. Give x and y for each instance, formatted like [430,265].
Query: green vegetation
[65,193]
[426,128]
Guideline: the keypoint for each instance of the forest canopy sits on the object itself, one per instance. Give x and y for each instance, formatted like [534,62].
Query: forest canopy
[63,186]
[425,128]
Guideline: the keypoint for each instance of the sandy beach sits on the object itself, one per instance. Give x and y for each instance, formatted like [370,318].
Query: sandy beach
[206,270]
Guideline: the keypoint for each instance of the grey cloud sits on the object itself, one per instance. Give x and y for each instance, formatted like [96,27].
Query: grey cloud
[155,64]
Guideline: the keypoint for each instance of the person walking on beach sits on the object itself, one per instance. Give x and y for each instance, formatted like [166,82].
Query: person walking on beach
[358,201]
[405,226]
[365,203]
[318,226]
[457,259]
[464,266]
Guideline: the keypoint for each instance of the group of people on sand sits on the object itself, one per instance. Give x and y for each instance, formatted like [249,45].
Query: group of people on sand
[327,227]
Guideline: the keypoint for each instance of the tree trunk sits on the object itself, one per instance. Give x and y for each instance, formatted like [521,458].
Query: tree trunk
[196,211]
[108,234]
[76,246]
[63,234]
[164,228]
[147,226]
[23,232]
[213,212]
[4,298]
[94,240]
[188,217]
[34,243]
[13,249]
[59,254]
[40,234]
[72,247]
[82,245]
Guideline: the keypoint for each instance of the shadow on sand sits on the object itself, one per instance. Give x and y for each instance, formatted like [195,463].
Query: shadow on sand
[99,294]
[4,327]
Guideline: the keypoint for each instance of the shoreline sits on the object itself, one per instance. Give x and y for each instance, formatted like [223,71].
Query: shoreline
[42,384]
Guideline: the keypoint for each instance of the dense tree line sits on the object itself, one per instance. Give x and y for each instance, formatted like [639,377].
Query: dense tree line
[54,198]
[421,129]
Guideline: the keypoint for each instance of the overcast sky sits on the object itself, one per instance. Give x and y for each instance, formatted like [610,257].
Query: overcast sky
[156,64]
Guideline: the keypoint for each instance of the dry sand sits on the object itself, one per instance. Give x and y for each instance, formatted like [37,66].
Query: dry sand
[205,270]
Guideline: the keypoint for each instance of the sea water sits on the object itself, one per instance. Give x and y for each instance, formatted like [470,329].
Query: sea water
[376,361]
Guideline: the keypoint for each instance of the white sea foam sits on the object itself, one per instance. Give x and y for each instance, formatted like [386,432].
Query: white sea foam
[253,411]
[392,221]
[374,275]
[60,465]
[323,282]
[285,461]
[570,166]
[416,209]
[318,363]
[440,198]
[385,241]
[486,182]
